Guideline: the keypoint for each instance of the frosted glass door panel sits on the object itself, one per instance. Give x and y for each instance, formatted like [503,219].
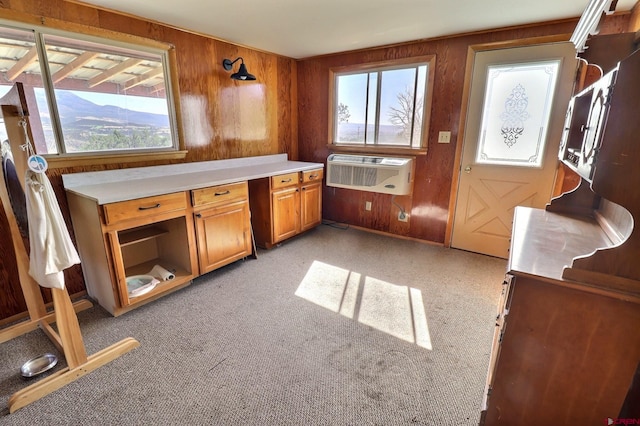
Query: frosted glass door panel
[515,115]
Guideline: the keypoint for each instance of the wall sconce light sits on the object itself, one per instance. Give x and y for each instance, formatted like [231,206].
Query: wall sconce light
[242,73]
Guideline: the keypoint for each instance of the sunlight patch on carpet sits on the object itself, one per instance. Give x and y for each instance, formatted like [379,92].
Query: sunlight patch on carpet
[394,309]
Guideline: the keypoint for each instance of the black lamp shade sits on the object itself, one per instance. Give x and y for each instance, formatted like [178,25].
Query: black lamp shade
[243,74]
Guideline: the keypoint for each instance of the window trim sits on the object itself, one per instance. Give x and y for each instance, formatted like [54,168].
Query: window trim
[429,60]
[44,25]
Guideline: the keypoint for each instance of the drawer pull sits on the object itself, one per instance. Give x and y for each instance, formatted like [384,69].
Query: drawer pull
[313,176]
[217,194]
[150,207]
[285,181]
[199,215]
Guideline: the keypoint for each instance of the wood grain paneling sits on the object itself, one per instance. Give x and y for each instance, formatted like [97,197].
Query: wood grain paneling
[220,118]
[429,204]
[284,111]
[634,20]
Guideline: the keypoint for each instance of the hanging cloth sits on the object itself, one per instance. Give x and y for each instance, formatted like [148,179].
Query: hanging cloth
[51,248]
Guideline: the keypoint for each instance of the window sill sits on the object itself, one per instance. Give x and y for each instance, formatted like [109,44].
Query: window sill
[61,161]
[380,150]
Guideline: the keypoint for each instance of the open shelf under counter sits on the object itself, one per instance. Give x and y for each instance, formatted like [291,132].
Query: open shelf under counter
[181,278]
[138,235]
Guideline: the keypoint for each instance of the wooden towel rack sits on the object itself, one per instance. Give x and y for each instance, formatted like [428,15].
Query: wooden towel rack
[67,338]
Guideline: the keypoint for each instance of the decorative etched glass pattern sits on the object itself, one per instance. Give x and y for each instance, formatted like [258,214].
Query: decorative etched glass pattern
[516,112]
[514,115]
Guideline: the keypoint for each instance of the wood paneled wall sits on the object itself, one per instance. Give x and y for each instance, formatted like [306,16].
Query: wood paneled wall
[429,204]
[221,118]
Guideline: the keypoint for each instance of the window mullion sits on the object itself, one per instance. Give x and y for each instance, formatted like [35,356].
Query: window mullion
[378,102]
[366,109]
[413,115]
[47,84]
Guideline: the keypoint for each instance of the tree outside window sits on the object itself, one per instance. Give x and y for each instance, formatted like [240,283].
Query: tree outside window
[378,106]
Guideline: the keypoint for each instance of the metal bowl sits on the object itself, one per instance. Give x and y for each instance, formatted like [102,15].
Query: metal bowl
[38,365]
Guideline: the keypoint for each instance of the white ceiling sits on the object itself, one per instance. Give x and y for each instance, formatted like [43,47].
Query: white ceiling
[304,28]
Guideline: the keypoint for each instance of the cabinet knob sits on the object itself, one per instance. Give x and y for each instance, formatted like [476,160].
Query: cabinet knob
[198,215]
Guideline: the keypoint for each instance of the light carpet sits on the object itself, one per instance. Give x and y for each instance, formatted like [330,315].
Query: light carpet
[334,327]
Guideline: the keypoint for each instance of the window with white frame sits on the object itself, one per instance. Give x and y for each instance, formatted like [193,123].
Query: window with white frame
[88,95]
[382,105]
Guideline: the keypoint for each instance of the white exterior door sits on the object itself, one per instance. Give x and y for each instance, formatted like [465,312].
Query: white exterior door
[517,103]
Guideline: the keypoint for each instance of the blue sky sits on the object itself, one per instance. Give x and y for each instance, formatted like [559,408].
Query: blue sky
[352,92]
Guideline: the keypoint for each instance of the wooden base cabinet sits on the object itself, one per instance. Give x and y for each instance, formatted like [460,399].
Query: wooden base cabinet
[129,238]
[125,239]
[187,218]
[223,226]
[285,205]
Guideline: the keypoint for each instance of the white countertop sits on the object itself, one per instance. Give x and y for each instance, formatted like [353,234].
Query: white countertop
[128,184]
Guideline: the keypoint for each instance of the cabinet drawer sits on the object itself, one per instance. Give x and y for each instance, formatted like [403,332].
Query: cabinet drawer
[218,194]
[144,207]
[312,175]
[282,181]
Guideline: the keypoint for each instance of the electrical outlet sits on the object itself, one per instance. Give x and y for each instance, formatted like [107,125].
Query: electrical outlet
[367,206]
[444,137]
[403,217]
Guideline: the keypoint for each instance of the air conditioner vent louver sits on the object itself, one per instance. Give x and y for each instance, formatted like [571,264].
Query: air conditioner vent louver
[367,173]
[365,176]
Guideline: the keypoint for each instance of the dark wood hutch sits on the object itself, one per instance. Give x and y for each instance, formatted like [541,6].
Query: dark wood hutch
[566,347]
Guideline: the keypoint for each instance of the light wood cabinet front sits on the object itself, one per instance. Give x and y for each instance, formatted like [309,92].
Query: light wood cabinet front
[223,234]
[143,208]
[219,194]
[286,213]
[283,181]
[223,224]
[311,206]
[285,205]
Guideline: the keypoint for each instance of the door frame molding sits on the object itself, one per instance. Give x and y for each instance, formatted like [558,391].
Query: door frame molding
[466,90]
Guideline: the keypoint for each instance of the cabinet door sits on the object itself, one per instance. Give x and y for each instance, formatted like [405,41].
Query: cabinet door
[286,213]
[223,234]
[311,207]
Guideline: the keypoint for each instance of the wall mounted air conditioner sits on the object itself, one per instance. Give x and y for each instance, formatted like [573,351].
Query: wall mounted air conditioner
[387,175]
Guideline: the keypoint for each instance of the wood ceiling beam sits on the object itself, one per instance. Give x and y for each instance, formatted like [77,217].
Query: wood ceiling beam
[73,65]
[30,57]
[143,77]
[107,74]
[157,88]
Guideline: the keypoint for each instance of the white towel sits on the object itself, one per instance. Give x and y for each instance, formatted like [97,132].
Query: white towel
[51,248]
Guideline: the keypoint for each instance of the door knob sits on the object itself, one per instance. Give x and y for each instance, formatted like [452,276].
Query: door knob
[467,169]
